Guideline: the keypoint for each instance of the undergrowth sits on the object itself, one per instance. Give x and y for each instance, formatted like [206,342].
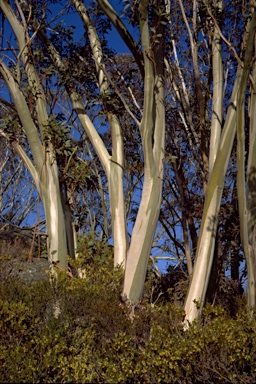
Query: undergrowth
[79,330]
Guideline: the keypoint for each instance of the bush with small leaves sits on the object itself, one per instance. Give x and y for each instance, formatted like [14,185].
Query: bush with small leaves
[95,337]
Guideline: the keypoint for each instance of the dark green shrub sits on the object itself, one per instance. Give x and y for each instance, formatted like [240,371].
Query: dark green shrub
[78,330]
[93,253]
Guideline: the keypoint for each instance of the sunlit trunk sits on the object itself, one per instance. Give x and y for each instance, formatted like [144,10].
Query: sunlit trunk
[152,134]
[113,165]
[51,197]
[142,238]
[206,243]
[44,170]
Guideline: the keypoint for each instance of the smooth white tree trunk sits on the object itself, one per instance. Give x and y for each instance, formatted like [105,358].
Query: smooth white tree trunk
[204,257]
[44,170]
[205,249]
[153,139]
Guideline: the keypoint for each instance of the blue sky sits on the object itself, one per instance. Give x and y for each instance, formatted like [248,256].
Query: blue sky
[74,20]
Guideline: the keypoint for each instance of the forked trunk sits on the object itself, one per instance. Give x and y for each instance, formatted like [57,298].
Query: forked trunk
[142,238]
[205,249]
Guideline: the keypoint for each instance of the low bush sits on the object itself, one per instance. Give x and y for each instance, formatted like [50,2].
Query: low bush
[79,330]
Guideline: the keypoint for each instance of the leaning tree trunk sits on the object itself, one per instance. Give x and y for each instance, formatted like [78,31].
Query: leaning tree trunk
[44,170]
[206,243]
[248,202]
[205,250]
[152,134]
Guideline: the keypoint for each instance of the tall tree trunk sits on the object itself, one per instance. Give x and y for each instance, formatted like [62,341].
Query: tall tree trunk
[113,165]
[68,218]
[152,133]
[205,249]
[247,224]
[251,199]
[44,170]
[56,230]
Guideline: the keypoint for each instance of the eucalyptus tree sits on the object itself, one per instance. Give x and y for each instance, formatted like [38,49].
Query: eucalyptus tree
[184,73]
[151,129]
[24,83]
[221,143]
[133,257]
[201,136]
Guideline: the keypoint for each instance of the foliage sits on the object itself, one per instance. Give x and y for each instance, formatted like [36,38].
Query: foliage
[11,126]
[56,133]
[96,338]
[92,252]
